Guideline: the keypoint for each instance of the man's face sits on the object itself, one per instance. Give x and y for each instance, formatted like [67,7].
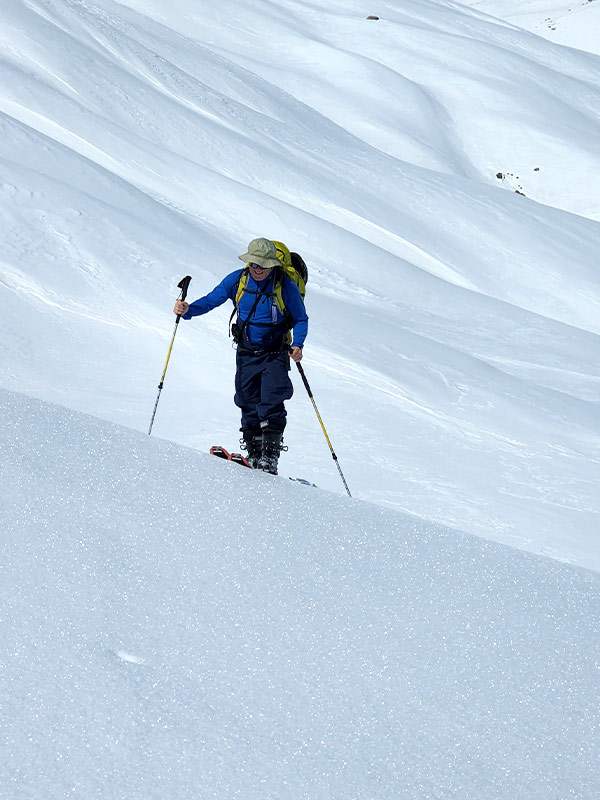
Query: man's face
[259,273]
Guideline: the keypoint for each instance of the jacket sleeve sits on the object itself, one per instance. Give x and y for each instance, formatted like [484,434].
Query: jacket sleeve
[295,306]
[224,291]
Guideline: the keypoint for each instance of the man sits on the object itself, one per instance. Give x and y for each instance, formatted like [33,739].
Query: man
[262,383]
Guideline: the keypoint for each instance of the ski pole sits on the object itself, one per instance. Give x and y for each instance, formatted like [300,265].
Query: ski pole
[183,285]
[312,399]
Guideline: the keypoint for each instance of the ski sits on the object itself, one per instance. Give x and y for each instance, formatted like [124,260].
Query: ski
[220,452]
[237,458]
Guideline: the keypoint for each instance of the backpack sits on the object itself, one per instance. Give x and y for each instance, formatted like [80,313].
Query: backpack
[294,267]
[292,264]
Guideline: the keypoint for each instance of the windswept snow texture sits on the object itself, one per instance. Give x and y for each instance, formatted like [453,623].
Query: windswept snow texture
[454,324]
[174,626]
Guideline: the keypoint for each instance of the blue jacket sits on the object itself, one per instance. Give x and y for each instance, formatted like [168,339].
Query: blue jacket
[267,326]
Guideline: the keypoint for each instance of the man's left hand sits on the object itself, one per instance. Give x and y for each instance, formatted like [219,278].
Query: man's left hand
[296,353]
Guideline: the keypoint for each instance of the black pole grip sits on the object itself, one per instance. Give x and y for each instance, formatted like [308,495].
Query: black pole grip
[184,284]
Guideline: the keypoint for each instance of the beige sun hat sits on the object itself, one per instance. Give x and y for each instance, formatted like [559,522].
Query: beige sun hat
[263,252]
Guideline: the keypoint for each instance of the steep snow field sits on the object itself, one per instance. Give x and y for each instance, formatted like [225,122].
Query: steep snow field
[453,348]
[173,626]
[572,24]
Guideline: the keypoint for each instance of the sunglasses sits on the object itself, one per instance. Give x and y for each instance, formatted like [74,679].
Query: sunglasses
[257,266]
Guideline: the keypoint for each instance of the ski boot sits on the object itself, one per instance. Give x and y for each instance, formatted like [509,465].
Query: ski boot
[272,445]
[251,441]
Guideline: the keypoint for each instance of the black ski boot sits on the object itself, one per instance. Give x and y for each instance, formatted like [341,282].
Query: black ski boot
[272,445]
[251,441]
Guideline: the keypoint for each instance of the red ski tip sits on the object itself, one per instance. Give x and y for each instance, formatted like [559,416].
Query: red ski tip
[220,452]
[239,459]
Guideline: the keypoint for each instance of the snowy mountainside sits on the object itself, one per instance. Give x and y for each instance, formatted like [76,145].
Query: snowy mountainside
[454,324]
[175,626]
[572,24]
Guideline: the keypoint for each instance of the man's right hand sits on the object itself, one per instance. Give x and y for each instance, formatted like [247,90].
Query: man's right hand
[181,308]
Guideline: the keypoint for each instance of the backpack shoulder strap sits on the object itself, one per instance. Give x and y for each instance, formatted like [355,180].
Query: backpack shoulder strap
[278,291]
[240,288]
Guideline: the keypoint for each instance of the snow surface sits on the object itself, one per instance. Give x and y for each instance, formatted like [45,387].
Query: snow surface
[175,626]
[172,626]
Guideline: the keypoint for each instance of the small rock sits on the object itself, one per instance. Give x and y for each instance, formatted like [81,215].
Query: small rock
[499,175]
[536,169]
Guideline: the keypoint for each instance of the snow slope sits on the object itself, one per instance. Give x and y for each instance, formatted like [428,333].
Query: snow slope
[175,626]
[572,24]
[453,349]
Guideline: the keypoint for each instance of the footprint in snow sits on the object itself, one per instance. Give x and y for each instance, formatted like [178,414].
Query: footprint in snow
[131,659]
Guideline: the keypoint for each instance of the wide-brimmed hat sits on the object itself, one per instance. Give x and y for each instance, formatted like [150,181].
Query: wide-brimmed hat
[263,252]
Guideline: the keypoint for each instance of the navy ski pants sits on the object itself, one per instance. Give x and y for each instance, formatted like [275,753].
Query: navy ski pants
[262,384]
